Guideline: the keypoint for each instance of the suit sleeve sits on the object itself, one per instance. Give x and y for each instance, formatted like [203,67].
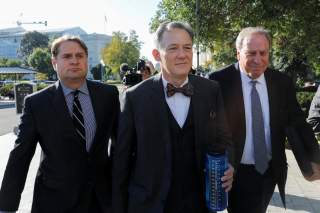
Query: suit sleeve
[123,156]
[19,160]
[314,112]
[297,119]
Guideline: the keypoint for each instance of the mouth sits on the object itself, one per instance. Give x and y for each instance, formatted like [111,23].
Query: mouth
[75,69]
[256,67]
[179,64]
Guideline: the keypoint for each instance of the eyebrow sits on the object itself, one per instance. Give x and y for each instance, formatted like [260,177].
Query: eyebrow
[175,44]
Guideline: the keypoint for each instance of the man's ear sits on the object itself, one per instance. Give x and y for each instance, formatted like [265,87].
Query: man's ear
[54,63]
[156,54]
[238,55]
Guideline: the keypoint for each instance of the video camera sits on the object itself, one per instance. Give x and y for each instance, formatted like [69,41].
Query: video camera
[131,77]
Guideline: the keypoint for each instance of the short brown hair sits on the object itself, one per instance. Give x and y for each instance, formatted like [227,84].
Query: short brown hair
[57,42]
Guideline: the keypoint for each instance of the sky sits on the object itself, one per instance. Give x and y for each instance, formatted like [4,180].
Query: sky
[93,16]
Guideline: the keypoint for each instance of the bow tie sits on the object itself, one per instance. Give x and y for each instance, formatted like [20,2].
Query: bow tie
[187,90]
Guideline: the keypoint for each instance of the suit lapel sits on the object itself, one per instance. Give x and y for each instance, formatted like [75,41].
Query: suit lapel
[198,109]
[273,98]
[159,109]
[236,103]
[158,101]
[97,110]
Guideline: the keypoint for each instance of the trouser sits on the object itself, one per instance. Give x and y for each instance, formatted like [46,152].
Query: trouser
[251,192]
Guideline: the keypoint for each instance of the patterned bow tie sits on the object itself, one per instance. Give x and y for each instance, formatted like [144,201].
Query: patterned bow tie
[187,90]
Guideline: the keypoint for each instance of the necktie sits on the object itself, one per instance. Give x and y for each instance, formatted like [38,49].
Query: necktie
[77,117]
[259,142]
[187,90]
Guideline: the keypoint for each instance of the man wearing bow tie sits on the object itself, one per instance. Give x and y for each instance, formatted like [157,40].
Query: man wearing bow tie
[167,125]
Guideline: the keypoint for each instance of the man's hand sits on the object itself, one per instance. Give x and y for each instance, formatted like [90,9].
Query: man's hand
[316,172]
[227,179]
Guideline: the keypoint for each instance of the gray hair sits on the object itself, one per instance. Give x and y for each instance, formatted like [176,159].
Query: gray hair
[245,32]
[57,43]
[167,26]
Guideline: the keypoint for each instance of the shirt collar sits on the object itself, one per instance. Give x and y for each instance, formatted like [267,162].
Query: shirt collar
[246,78]
[165,82]
[83,89]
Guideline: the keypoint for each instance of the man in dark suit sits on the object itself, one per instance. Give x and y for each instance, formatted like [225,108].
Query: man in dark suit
[260,103]
[163,136]
[314,112]
[73,121]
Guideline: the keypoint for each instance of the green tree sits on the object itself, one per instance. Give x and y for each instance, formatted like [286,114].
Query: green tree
[4,62]
[40,59]
[29,42]
[122,49]
[294,26]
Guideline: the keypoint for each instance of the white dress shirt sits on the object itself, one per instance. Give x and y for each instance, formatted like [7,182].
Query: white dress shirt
[178,103]
[248,152]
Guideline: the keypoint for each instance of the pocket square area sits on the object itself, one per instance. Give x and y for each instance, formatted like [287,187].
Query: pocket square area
[212,114]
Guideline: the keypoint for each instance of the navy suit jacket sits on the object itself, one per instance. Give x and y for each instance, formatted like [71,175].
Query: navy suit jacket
[66,171]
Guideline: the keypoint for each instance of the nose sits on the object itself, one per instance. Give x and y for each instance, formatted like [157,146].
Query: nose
[74,60]
[257,59]
[181,53]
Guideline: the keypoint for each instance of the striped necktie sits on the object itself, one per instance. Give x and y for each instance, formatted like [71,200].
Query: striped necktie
[259,141]
[77,117]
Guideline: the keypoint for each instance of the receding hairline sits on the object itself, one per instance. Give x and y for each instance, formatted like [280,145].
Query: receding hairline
[167,27]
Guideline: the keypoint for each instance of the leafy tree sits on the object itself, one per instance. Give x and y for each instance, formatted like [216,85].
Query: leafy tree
[30,41]
[4,62]
[122,49]
[13,63]
[293,24]
[40,59]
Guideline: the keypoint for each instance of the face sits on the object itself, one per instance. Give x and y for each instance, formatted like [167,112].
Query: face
[71,63]
[253,57]
[175,54]
[145,74]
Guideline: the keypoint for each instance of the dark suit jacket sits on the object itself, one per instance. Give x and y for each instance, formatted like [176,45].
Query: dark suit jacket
[314,112]
[66,169]
[284,111]
[142,159]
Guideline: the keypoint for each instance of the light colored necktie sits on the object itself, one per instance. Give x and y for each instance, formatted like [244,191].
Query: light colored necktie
[259,142]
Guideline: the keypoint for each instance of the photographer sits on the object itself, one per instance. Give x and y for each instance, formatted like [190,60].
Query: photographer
[145,72]
[133,76]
